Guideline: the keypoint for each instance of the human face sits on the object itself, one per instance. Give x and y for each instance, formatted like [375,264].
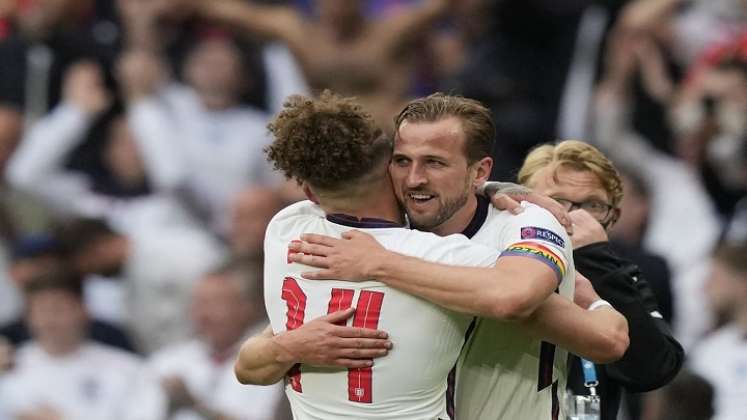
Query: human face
[122,155]
[57,320]
[251,212]
[634,210]
[431,176]
[723,290]
[214,69]
[36,18]
[572,187]
[220,313]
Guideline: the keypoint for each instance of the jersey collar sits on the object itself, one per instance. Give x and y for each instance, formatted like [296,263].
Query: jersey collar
[364,223]
[481,214]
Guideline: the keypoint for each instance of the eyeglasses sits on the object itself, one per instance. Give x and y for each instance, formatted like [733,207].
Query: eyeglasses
[598,209]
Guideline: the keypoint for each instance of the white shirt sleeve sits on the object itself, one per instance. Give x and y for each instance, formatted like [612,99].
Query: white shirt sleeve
[37,165]
[46,145]
[536,234]
[284,76]
[156,131]
[147,400]
[16,395]
[665,234]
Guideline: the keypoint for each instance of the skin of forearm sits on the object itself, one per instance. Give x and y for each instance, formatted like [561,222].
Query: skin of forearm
[600,335]
[261,361]
[256,19]
[477,291]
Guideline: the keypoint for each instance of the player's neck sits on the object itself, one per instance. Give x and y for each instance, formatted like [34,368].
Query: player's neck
[374,201]
[458,222]
[374,208]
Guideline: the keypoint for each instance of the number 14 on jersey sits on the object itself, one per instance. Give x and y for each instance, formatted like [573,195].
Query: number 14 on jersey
[368,310]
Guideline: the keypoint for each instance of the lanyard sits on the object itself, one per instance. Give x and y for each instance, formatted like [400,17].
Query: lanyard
[590,376]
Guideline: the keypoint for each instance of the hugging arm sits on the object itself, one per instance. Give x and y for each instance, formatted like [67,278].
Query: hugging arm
[265,358]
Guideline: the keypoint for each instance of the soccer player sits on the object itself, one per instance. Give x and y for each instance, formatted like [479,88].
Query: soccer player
[538,256]
[441,150]
[332,147]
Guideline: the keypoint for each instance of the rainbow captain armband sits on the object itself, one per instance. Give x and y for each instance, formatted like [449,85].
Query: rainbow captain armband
[538,252]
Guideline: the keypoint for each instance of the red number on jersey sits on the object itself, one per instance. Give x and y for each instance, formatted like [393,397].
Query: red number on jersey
[367,313]
[295,298]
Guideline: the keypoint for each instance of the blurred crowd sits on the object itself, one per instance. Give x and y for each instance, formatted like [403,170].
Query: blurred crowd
[134,190]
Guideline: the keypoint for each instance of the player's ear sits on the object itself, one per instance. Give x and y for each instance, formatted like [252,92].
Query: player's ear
[309,193]
[482,169]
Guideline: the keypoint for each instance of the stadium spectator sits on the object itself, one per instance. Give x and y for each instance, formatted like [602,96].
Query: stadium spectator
[721,358]
[704,24]
[341,49]
[198,138]
[158,268]
[39,255]
[505,67]
[683,249]
[626,237]
[197,376]
[60,374]
[171,28]
[688,397]
[709,115]
[251,212]
[47,37]
[119,191]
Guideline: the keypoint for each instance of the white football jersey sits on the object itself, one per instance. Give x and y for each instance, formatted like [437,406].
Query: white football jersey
[95,382]
[410,383]
[213,382]
[503,372]
[721,358]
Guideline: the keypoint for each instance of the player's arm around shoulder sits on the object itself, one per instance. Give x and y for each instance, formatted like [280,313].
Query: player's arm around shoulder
[591,329]
[536,256]
[453,272]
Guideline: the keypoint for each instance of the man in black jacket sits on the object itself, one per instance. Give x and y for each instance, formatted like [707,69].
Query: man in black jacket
[582,179]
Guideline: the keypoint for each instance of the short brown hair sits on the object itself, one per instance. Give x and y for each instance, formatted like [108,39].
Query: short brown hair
[76,236]
[327,142]
[477,122]
[61,279]
[577,155]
